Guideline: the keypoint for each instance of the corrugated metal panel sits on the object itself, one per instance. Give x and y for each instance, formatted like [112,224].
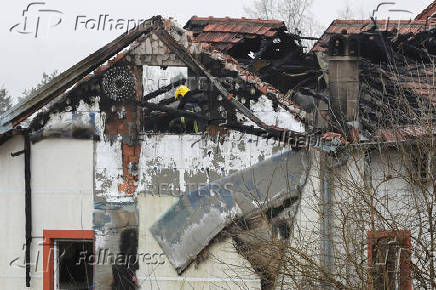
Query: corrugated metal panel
[190,225]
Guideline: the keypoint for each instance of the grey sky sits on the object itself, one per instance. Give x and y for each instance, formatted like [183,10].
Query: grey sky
[24,58]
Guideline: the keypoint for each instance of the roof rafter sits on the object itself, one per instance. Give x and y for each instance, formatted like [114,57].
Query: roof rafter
[65,80]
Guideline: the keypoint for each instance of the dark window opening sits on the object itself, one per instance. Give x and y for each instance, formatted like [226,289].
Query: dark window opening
[389,259]
[423,164]
[195,102]
[73,267]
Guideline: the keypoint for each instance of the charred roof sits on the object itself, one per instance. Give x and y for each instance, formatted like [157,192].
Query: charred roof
[427,12]
[402,27]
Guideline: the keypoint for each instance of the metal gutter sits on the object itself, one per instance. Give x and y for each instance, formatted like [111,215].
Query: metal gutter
[327,219]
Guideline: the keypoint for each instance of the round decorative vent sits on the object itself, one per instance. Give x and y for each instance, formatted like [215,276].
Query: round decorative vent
[119,83]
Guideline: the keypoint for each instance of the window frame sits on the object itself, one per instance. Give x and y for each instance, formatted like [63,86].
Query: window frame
[405,242]
[48,250]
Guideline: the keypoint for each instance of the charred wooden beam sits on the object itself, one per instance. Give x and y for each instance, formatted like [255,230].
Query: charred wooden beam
[18,153]
[198,68]
[44,95]
[247,129]
[163,90]
[294,139]
[167,102]
[176,113]
[310,38]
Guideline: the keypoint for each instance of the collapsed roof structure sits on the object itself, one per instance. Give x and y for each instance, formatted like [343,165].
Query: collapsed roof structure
[396,57]
[109,83]
[249,65]
[264,47]
[224,65]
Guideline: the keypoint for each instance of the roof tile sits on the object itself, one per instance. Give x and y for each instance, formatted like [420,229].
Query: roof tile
[357,26]
[224,33]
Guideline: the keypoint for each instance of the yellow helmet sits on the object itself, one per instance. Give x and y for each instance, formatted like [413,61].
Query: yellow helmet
[182,90]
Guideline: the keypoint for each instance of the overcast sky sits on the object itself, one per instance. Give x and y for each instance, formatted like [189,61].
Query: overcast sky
[24,58]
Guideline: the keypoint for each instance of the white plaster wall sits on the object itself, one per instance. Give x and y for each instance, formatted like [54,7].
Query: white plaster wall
[12,213]
[394,199]
[62,199]
[306,225]
[183,162]
[345,181]
[394,190]
[391,187]
[224,269]
[405,202]
[187,161]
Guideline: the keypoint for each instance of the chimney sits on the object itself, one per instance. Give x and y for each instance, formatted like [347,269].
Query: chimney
[344,83]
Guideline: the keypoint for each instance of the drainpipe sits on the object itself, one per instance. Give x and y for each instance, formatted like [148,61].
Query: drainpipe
[368,178]
[326,222]
[327,217]
[28,204]
[343,82]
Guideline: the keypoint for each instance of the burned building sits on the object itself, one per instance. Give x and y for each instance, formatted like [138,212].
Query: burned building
[107,150]
[112,181]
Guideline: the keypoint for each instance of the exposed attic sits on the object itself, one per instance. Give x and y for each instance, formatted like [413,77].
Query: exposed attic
[114,81]
[264,47]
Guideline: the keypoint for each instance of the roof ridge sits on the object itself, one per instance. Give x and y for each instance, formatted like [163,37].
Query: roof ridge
[424,13]
[74,74]
[166,31]
[354,26]
[242,19]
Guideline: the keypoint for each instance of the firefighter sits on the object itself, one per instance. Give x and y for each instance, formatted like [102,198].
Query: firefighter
[188,101]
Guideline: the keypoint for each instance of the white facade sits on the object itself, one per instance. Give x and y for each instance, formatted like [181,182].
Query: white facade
[62,197]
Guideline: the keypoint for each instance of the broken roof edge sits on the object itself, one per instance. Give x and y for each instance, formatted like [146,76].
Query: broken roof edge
[165,30]
[342,23]
[264,88]
[211,19]
[428,12]
[69,77]
[199,68]
[318,42]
